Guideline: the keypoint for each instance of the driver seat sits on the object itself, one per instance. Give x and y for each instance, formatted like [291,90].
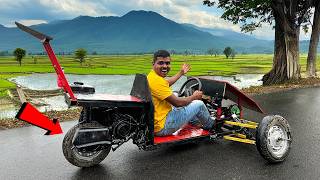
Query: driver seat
[141,90]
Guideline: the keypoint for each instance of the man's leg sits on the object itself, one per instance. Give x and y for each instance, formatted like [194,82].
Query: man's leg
[195,112]
[203,117]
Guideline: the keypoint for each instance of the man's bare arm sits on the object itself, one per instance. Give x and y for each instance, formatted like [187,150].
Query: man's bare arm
[184,69]
[174,78]
[183,101]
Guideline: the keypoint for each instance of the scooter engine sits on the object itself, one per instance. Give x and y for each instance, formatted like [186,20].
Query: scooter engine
[123,125]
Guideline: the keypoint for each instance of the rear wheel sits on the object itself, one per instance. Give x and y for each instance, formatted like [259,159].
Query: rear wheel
[83,157]
[273,138]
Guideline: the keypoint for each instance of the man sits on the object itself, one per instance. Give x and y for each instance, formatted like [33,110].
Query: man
[168,119]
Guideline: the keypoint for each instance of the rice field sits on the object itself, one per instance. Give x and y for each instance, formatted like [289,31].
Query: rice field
[132,64]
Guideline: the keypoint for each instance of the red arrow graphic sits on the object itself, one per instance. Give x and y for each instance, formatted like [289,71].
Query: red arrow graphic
[31,115]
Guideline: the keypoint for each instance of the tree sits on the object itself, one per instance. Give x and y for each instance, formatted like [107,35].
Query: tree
[227,51]
[314,39]
[4,53]
[80,54]
[216,52]
[19,53]
[213,51]
[186,52]
[210,51]
[35,59]
[172,52]
[286,15]
[233,54]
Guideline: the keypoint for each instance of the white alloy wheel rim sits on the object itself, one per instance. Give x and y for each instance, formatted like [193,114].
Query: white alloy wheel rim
[278,141]
[86,155]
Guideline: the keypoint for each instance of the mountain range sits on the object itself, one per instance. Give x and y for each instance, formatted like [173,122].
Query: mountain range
[134,32]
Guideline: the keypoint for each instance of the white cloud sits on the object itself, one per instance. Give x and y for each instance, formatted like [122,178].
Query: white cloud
[29,22]
[188,3]
[202,19]
[72,8]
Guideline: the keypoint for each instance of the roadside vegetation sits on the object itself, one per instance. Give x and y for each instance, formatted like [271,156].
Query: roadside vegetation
[132,64]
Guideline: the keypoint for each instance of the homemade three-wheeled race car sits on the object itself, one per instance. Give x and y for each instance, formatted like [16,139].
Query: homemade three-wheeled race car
[108,121]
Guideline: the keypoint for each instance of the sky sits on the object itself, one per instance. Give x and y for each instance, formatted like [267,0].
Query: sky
[30,12]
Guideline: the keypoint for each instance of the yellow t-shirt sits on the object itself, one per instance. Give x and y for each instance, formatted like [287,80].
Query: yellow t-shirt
[160,90]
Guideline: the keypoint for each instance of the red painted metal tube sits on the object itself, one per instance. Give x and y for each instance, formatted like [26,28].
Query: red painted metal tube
[57,68]
[240,107]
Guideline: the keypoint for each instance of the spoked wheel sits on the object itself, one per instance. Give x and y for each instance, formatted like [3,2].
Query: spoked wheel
[273,138]
[83,157]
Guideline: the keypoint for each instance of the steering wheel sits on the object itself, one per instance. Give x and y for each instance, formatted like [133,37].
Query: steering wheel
[188,91]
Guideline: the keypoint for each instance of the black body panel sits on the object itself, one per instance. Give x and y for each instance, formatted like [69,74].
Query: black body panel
[141,90]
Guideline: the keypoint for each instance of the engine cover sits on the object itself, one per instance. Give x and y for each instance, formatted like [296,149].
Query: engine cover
[86,137]
[123,125]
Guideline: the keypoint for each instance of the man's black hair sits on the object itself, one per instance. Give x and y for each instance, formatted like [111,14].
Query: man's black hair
[160,53]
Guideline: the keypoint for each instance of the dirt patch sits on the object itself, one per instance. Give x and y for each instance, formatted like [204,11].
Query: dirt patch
[5,101]
[302,83]
[67,115]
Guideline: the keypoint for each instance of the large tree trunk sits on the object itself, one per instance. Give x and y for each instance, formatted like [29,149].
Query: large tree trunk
[312,54]
[286,49]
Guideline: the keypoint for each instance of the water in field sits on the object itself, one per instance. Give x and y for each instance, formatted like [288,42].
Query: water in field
[112,84]
[7,110]
[109,84]
[120,84]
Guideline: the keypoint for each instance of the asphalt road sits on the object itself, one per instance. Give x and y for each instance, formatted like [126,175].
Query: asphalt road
[27,154]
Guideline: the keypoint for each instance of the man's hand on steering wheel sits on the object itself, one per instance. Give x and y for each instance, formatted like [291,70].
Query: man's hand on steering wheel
[188,89]
[197,95]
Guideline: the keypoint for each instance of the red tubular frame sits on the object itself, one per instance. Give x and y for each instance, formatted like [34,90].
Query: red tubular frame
[57,68]
[45,41]
[240,107]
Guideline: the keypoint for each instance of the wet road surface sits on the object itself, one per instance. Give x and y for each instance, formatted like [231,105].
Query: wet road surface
[27,154]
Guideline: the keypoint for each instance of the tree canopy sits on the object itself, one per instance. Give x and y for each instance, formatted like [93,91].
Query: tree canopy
[19,53]
[213,51]
[80,54]
[227,51]
[251,14]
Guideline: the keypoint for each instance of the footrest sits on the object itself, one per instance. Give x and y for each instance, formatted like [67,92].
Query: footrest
[188,131]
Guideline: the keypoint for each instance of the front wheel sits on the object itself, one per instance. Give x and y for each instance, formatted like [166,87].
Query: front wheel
[83,157]
[273,138]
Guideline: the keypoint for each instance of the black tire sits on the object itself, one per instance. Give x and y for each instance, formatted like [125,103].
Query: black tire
[273,138]
[83,157]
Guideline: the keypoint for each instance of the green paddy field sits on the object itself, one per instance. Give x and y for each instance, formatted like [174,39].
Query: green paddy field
[131,64]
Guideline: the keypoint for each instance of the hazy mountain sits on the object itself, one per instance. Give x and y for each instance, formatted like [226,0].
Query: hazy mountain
[229,34]
[240,40]
[136,31]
